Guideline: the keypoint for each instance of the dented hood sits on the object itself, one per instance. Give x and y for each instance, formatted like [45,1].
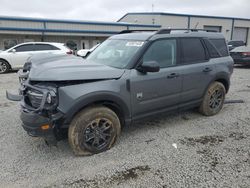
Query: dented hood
[74,68]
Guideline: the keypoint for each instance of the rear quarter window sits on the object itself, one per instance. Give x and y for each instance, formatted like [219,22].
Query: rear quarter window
[221,46]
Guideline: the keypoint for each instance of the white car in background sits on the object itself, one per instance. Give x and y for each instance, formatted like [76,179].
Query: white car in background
[15,57]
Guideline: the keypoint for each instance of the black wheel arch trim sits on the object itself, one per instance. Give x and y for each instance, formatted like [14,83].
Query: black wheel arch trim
[220,76]
[97,98]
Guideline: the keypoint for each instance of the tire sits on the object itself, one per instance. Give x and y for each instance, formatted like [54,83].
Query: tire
[213,100]
[4,67]
[93,130]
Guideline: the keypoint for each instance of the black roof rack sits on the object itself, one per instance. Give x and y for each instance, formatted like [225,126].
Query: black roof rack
[134,31]
[168,31]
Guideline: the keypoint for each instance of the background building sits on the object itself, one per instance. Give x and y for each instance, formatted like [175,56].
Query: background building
[85,34]
[77,34]
[232,28]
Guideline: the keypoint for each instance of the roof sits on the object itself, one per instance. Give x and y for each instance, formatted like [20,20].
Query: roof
[177,14]
[134,36]
[74,21]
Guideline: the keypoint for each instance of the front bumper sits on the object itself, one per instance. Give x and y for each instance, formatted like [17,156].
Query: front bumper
[33,123]
[39,121]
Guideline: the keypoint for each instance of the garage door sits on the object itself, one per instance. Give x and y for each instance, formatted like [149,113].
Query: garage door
[212,28]
[240,33]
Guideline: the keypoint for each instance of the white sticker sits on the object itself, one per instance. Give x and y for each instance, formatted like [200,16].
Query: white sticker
[135,43]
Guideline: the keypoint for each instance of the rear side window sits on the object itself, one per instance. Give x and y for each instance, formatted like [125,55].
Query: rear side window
[221,46]
[211,49]
[44,47]
[192,51]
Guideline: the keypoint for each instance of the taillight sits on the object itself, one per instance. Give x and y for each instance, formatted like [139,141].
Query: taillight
[245,53]
[69,52]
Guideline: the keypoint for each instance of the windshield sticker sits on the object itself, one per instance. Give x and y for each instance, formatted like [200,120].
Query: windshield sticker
[135,43]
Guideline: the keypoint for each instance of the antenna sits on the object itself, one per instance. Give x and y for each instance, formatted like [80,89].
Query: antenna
[196,25]
[153,19]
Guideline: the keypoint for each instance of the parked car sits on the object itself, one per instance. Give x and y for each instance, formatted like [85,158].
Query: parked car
[85,52]
[241,55]
[235,43]
[15,57]
[128,77]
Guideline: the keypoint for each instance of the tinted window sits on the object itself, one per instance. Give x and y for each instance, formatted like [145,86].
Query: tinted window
[221,46]
[162,51]
[213,53]
[42,47]
[25,48]
[192,50]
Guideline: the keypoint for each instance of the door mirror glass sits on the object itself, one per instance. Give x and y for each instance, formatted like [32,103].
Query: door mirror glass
[13,50]
[149,66]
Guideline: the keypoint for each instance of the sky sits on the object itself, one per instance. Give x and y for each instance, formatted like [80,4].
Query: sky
[112,10]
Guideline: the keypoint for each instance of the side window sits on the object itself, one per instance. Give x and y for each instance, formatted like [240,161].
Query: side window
[25,48]
[221,46]
[162,51]
[44,47]
[192,50]
[211,49]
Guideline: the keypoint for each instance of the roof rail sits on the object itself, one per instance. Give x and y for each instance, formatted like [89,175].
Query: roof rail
[134,31]
[168,31]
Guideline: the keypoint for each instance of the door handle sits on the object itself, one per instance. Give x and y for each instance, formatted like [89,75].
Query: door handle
[207,69]
[173,75]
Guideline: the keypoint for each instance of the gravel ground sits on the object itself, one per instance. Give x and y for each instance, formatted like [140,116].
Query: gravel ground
[180,150]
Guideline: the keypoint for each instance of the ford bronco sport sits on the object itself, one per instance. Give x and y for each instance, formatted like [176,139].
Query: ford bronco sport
[128,77]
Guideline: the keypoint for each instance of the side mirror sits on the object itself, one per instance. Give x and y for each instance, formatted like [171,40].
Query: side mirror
[82,53]
[149,66]
[13,50]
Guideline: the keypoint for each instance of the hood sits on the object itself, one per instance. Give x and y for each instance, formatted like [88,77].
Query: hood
[71,68]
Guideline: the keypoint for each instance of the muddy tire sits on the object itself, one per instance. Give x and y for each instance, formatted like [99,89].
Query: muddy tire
[4,67]
[213,100]
[93,130]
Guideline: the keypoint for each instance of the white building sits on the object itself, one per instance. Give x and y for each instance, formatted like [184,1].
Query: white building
[232,28]
[79,34]
[85,34]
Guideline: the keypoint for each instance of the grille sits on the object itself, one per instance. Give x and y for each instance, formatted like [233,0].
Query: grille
[35,98]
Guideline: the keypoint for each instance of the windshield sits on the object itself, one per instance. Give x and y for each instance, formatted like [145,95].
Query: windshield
[115,53]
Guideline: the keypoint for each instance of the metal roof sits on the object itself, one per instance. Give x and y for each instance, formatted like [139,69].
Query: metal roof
[177,14]
[75,21]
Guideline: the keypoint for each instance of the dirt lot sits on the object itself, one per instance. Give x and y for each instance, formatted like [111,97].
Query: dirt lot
[180,150]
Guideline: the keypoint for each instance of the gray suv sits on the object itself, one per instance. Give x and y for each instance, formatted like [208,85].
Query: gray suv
[130,76]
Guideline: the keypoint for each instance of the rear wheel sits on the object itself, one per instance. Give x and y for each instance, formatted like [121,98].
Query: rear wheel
[93,130]
[4,67]
[213,100]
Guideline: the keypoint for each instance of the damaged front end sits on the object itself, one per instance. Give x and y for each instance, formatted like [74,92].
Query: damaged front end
[39,114]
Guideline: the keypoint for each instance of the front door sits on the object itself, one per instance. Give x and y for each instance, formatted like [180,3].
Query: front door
[152,92]
[20,54]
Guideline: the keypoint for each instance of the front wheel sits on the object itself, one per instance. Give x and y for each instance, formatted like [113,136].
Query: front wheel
[4,67]
[213,100]
[93,130]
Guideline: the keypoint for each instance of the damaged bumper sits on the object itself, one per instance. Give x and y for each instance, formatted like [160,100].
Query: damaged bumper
[39,119]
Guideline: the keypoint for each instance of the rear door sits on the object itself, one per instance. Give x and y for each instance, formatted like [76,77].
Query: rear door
[152,92]
[196,69]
